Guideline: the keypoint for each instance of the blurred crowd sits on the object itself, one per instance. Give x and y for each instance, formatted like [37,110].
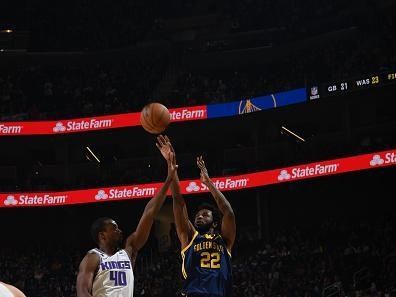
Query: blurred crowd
[320,42]
[337,259]
[353,57]
[40,91]
[84,25]
[64,91]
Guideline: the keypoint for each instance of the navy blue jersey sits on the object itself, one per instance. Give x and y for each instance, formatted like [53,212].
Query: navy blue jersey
[206,266]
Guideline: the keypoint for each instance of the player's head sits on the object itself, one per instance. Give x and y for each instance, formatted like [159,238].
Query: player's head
[207,216]
[105,231]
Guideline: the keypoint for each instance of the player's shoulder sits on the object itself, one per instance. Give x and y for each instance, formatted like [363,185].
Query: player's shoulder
[123,252]
[91,258]
[97,252]
[7,290]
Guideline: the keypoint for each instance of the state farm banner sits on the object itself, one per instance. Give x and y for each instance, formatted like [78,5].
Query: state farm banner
[188,113]
[180,114]
[228,183]
[94,123]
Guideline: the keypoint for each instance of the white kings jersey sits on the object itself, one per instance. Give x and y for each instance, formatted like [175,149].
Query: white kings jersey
[4,292]
[114,277]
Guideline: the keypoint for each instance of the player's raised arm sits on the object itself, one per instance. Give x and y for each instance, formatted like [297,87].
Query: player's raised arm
[184,228]
[138,238]
[228,226]
[86,273]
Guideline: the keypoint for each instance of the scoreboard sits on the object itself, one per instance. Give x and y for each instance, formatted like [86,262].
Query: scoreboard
[340,87]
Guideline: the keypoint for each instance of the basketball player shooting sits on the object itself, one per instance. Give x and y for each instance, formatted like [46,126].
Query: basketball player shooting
[205,245]
[107,271]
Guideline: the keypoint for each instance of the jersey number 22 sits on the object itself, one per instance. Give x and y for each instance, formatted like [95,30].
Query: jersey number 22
[210,260]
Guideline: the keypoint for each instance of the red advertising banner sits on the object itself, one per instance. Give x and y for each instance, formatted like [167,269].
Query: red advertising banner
[188,113]
[229,183]
[95,123]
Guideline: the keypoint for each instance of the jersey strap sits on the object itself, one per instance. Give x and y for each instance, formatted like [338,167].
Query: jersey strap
[184,256]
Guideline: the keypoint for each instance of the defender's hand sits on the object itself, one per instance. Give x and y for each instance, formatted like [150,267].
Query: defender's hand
[165,147]
[172,166]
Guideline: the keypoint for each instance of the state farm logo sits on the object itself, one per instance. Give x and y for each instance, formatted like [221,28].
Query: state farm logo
[85,124]
[192,187]
[124,193]
[377,160]
[284,175]
[36,199]
[191,113]
[101,195]
[221,184]
[59,127]
[308,170]
[389,158]
[9,129]
[10,200]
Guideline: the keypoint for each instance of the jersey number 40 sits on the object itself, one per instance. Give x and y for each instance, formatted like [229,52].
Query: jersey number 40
[119,278]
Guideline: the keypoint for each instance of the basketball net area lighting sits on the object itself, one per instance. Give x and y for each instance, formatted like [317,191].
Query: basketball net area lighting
[292,133]
[92,153]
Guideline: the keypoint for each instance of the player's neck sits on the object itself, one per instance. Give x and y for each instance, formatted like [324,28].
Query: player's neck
[109,250]
[211,231]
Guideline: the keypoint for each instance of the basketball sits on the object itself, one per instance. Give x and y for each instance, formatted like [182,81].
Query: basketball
[155,118]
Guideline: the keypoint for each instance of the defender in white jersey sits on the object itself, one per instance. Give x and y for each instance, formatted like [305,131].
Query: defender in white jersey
[107,271]
[7,290]
[113,275]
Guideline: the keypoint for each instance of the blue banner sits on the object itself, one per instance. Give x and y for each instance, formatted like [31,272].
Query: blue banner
[257,103]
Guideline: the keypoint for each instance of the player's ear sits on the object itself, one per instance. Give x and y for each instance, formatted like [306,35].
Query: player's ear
[101,235]
[214,224]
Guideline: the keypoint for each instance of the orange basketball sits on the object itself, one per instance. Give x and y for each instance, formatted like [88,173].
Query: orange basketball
[154,118]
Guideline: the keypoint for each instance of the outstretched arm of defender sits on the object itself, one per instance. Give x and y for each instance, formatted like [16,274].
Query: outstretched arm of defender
[86,273]
[184,228]
[137,239]
[228,226]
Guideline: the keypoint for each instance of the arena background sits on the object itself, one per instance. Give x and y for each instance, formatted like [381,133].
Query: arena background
[320,236]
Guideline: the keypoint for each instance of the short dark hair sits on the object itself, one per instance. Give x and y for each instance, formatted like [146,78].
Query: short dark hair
[98,226]
[217,216]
